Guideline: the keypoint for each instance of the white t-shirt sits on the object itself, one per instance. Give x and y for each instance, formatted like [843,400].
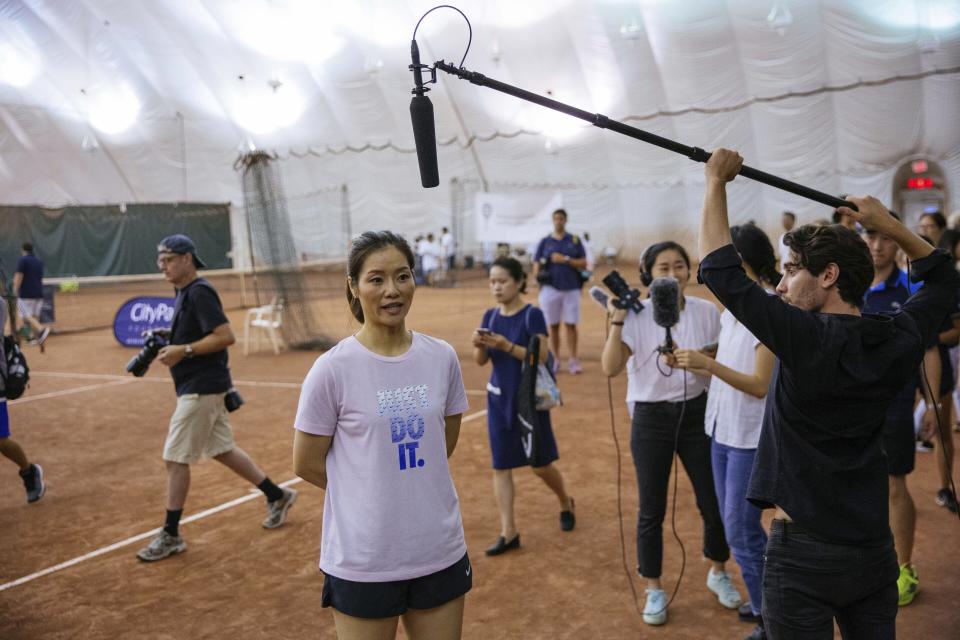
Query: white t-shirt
[430,259]
[446,245]
[390,511]
[733,417]
[699,326]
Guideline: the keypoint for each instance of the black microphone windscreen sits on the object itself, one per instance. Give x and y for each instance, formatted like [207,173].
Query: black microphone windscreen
[665,300]
[421,115]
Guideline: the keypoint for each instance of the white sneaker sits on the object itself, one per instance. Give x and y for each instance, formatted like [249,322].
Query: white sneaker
[655,611]
[719,582]
[277,510]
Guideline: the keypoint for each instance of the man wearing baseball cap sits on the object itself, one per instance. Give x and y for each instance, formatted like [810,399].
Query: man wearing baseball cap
[200,426]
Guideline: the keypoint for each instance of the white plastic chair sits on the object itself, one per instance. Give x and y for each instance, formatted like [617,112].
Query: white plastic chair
[269,319]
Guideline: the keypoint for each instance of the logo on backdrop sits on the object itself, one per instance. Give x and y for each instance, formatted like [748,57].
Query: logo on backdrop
[406,423]
[141,314]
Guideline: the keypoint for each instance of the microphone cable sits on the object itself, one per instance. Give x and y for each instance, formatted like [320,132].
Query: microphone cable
[469,27]
[676,482]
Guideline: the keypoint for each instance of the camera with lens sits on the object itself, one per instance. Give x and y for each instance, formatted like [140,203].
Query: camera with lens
[155,340]
[543,275]
[624,296]
[233,400]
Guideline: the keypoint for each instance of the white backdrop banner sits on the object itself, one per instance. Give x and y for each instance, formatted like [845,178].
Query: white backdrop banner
[515,217]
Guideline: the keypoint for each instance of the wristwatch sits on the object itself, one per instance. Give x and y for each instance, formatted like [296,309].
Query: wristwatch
[188,351]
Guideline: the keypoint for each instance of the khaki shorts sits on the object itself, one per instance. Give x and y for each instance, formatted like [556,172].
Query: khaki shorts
[199,426]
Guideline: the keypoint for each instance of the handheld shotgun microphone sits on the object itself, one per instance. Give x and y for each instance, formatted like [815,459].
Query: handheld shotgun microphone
[665,300]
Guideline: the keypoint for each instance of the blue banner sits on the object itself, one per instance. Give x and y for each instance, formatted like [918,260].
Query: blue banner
[141,314]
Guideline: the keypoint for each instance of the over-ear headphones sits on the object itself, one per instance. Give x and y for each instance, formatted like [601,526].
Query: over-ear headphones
[645,276]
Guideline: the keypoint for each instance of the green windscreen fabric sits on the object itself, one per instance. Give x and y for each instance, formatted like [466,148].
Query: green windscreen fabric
[107,241]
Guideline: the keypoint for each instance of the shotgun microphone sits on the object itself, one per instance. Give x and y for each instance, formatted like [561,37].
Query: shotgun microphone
[421,115]
[665,300]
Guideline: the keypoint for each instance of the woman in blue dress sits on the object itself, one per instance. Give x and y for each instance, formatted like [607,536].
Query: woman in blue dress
[502,339]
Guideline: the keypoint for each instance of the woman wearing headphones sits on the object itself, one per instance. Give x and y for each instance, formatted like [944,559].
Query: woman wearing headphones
[741,375]
[668,407]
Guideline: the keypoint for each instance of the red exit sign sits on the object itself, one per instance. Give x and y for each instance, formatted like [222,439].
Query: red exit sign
[920,183]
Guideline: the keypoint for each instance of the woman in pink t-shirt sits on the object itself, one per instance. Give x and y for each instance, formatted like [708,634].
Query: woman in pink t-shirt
[379,415]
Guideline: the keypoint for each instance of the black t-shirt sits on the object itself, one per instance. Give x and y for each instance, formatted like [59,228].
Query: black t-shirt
[197,313]
[820,455]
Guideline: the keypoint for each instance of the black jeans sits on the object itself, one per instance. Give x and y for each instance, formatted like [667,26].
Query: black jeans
[808,582]
[654,429]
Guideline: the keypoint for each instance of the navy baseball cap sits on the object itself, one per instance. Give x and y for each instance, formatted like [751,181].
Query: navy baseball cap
[179,243]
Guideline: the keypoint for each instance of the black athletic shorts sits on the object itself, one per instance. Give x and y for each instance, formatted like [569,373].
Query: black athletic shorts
[389,599]
[899,442]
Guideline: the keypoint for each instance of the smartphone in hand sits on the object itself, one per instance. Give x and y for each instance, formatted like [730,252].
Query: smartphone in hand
[484,331]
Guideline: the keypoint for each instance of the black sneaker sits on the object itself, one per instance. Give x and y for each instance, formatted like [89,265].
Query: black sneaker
[945,498]
[758,633]
[33,483]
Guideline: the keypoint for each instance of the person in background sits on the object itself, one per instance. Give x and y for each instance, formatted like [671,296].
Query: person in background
[30,473]
[505,332]
[788,220]
[379,416]
[556,265]
[888,292]
[932,226]
[448,250]
[200,425]
[668,409]
[430,259]
[741,376]
[28,287]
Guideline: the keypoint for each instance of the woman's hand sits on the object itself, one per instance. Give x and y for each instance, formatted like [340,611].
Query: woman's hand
[616,314]
[495,341]
[693,361]
[477,339]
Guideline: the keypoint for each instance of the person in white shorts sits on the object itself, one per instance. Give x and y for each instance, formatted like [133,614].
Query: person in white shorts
[557,263]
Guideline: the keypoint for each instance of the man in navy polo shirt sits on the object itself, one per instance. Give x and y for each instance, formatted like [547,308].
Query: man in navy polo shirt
[28,286]
[888,292]
[557,263]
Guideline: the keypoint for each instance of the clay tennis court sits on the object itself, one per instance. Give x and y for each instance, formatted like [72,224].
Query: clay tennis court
[99,434]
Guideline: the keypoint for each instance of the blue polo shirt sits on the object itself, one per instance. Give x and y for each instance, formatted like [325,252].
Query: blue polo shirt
[887,298]
[31,287]
[562,276]
[889,295]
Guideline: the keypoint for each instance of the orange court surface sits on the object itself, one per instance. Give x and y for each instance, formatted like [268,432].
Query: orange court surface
[98,433]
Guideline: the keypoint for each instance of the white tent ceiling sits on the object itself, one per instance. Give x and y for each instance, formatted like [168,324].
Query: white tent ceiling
[150,100]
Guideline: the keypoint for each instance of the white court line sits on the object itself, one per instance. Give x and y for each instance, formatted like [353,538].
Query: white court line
[146,534]
[66,392]
[255,383]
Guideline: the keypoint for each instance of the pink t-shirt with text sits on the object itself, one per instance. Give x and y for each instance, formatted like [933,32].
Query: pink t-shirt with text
[390,511]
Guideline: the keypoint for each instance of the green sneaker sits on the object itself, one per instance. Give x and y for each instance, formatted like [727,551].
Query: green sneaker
[907,584]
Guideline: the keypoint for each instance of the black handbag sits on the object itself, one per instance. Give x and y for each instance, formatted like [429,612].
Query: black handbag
[526,404]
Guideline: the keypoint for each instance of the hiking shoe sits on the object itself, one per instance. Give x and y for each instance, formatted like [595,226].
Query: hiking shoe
[33,483]
[163,546]
[907,584]
[277,510]
[719,582]
[945,498]
[573,366]
[655,611]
